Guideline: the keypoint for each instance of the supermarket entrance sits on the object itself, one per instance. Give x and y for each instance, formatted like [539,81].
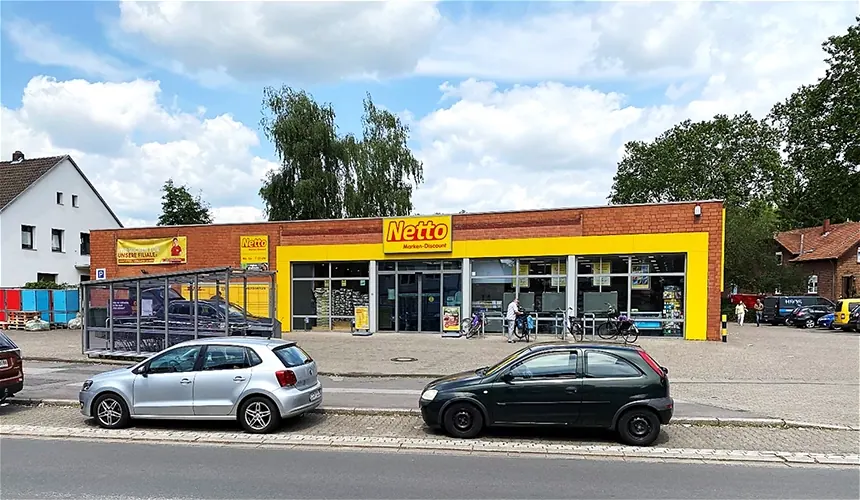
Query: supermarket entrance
[413,295]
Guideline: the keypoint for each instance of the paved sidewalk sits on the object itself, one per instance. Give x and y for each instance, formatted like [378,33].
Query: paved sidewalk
[394,430]
[806,375]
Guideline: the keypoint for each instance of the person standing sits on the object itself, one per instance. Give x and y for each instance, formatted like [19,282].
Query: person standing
[759,311]
[511,316]
[740,313]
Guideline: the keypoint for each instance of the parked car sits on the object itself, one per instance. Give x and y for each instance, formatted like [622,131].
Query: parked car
[777,308]
[611,386]
[844,308]
[11,368]
[807,316]
[853,321]
[257,381]
[212,315]
[826,321]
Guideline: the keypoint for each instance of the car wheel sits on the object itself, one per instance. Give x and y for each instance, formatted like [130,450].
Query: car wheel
[111,411]
[463,420]
[639,427]
[810,323]
[259,415]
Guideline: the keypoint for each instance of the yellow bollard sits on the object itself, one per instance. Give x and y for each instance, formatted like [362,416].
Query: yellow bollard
[725,329]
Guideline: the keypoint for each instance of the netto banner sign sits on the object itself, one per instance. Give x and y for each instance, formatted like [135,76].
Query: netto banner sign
[417,234]
[254,252]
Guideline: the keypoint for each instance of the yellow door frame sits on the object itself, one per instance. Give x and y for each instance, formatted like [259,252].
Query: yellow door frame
[695,245]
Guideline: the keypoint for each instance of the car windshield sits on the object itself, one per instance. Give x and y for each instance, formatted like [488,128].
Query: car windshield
[498,366]
[6,343]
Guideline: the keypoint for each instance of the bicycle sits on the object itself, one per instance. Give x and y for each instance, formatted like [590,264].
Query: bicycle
[474,326]
[573,326]
[523,325]
[618,326]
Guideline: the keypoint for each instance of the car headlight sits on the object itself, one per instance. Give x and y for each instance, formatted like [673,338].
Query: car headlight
[87,385]
[429,394]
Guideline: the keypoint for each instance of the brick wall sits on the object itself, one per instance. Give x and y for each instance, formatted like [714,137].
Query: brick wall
[218,245]
[848,266]
[828,286]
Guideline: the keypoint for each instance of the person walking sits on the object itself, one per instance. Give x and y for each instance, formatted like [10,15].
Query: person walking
[511,316]
[759,311]
[740,313]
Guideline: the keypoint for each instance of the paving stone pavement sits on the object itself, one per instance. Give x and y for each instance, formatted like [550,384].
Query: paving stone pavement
[411,427]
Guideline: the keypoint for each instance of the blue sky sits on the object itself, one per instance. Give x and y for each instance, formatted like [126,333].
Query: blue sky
[494,92]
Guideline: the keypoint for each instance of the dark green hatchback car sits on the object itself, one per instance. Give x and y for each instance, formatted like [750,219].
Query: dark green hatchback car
[611,386]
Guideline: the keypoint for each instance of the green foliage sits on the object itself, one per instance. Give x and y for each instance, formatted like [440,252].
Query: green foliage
[179,208]
[327,176]
[48,285]
[820,125]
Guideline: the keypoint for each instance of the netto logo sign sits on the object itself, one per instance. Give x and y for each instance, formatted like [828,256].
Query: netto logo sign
[254,242]
[417,234]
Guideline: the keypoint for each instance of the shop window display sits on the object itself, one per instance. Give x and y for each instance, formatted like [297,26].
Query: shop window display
[328,302]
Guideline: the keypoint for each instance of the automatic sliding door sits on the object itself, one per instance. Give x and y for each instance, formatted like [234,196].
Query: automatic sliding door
[407,303]
[431,302]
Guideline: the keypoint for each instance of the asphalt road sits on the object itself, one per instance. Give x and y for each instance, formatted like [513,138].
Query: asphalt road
[76,469]
[49,380]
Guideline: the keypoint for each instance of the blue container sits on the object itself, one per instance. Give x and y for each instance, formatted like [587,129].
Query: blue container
[65,305]
[38,301]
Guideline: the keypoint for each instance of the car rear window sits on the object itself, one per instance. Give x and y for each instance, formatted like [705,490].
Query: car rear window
[292,356]
[6,343]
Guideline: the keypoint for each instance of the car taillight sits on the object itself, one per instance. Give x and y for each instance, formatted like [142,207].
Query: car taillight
[286,377]
[653,364]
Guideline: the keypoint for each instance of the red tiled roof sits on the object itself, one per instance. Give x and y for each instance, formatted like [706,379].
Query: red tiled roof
[816,244]
[15,178]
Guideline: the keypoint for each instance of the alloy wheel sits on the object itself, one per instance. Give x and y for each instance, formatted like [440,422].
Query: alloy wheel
[109,412]
[258,415]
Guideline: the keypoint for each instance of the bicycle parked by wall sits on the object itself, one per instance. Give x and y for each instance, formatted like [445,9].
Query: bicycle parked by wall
[475,326]
[618,326]
[525,326]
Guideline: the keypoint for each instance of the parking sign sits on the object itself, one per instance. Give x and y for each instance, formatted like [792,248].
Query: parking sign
[101,274]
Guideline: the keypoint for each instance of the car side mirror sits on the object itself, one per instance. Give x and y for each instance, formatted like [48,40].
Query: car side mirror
[507,377]
[142,371]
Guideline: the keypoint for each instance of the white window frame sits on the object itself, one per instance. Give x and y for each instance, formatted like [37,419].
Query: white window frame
[812,284]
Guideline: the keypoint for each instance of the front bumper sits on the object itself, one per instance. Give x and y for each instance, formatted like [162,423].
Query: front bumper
[85,398]
[431,412]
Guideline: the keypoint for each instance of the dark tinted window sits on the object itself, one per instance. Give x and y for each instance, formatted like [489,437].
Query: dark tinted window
[604,365]
[226,357]
[254,357]
[824,302]
[6,343]
[292,356]
[180,308]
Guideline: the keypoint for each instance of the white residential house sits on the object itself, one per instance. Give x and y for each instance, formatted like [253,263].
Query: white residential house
[47,209]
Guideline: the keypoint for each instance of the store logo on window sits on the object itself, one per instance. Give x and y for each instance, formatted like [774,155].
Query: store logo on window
[417,234]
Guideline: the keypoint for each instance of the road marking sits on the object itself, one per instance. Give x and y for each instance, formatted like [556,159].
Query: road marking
[357,390]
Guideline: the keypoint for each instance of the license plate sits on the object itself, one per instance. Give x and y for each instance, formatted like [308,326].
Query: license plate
[315,395]
[4,363]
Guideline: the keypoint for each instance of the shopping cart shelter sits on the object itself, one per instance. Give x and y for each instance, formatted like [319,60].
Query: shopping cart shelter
[662,264]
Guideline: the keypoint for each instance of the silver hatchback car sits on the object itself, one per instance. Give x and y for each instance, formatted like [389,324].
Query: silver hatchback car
[255,380]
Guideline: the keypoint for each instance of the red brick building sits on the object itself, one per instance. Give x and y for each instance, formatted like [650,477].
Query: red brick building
[829,255]
[662,264]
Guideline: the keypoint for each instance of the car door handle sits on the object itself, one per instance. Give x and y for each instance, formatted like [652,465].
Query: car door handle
[238,379]
[572,388]
[185,381]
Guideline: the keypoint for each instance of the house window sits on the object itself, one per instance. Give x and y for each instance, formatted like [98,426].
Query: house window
[75,200]
[779,258]
[57,240]
[85,243]
[59,198]
[28,240]
[46,277]
[812,284]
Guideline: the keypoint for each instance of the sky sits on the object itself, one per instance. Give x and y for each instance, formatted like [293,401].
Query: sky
[511,105]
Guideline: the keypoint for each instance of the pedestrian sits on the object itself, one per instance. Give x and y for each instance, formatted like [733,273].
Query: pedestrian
[759,311]
[511,316]
[740,312]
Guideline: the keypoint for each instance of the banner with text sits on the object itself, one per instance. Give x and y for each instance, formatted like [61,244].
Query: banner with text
[254,252]
[151,251]
[417,234]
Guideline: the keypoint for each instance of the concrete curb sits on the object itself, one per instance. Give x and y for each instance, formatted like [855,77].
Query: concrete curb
[343,410]
[444,445]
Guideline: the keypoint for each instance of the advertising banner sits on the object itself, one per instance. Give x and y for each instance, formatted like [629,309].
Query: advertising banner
[641,282]
[254,252]
[362,318]
[151,251]
[451,319]
[417,234]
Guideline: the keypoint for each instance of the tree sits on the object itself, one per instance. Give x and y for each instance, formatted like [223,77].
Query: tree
[820,126]
[327,176]
[735,159]
[178,207]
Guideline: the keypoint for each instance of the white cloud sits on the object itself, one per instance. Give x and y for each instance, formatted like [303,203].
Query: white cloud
[38,43]
[212,154]
[308,41]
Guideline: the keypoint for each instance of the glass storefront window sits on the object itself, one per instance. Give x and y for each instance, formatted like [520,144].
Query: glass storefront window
[387,313]
[419,265]
[310,270]
[350,269]
[346,295]
[386,266]
[611,264]
[451,265]
[491,295]
[659,263]
[542,266]
[310,298]
[494,267]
